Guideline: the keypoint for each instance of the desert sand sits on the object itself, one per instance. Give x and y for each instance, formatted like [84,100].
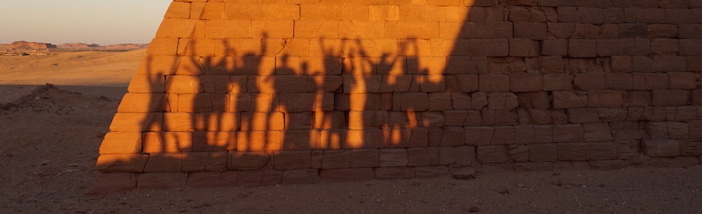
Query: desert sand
[49,136]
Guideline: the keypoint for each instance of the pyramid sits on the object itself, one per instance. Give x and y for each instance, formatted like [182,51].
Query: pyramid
[260,92]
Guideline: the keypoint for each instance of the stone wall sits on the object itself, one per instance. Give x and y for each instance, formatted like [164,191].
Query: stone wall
[260,92]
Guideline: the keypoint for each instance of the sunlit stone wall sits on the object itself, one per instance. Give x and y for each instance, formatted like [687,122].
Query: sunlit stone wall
[260,92]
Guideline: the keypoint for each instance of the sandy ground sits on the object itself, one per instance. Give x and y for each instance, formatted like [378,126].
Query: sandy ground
[49,138]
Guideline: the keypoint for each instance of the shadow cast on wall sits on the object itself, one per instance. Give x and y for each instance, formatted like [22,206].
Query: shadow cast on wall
[290,93]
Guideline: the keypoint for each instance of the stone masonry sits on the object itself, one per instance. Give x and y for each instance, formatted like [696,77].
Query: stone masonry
[262,92]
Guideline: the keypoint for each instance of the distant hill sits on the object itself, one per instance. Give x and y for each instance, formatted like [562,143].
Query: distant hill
[24,45]
[39,48]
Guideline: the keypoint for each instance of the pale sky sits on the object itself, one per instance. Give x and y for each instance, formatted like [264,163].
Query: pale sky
[80,21]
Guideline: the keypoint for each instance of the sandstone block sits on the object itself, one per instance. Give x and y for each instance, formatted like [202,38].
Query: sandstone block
[417,29]
[530,30]
[540,116]
[178,10]
[662,31]
[282,12]
[456,156]
[347,175]
[489,47]
[690,47]
[670,97]
[163,46]
[164,162]
[167,142]
[493,30]
[334,159]
[569,99]
[603,151]
[205,161]
[543,152]
[248,160]
[121,143]
[691,147]
[259,178]
[695,129]
[393,157]
[524,47]
[660,148]
[529,134]
[130,122]
[503,135]
[492,154]
[364,138]
[538,100]
[121,163]
[554,47]
[518,153]
[414,101]
[365,158]
[678,130]
[419,138]
[682,80]
[363,29]
[582,115]
[557,82]
[618,81]
[526,82]
[176,28]
[665,47]
[552,64]
[430,171]
[257,121]
[479,135]
[292,160]
[668,63]
[694,63]
[568,133]
[605,98]
[494,83]
[244,10]
[500,101]
[301,176]
[440,101]
[453,136]
[582,47]
[421,156]
[597,132]
[561,30]
[650,81]
[462,83]
[573,151]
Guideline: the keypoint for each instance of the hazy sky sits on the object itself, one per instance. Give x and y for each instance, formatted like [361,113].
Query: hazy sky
[86,21]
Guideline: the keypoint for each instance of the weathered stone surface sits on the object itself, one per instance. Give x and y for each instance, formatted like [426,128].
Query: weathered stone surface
[492,154]
[259,178]
[573,151]
[656,148]
[301,176]
[248,160]
[346,175]
[212,179]
[302,91]
[121,163]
